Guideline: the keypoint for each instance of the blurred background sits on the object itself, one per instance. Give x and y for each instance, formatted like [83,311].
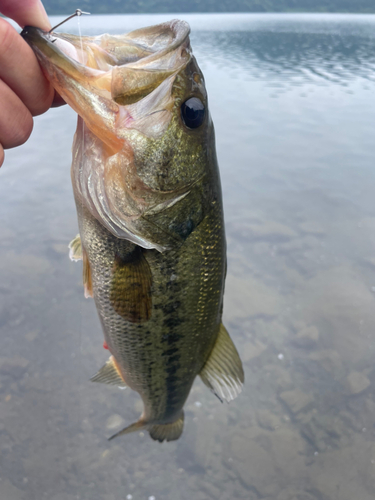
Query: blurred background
[158,6]
[292,100]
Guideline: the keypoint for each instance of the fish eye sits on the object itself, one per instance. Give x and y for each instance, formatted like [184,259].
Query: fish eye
[192,112]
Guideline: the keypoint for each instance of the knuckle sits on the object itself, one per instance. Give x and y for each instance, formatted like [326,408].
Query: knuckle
[43,102]
[19,131]
[23,130]
[1,155]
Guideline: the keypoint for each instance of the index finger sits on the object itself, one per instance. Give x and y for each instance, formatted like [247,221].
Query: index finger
[26,13]
[29,13]
[20,70]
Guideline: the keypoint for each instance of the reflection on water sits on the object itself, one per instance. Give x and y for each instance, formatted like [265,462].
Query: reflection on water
[294,57]
[292,101]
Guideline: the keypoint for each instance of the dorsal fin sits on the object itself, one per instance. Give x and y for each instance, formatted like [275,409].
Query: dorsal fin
[223,372]
[109,374]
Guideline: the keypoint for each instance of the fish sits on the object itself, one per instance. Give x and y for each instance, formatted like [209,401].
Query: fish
[150,213]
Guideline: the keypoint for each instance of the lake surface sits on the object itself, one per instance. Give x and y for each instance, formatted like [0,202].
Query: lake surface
[292,98]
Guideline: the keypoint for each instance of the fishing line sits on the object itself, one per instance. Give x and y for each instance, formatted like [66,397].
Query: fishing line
[78,13]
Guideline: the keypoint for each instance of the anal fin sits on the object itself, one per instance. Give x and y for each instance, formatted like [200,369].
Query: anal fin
[223,372]
[109,374]
[75,249]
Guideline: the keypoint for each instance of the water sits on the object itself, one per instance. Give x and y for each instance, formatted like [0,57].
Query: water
[292,97]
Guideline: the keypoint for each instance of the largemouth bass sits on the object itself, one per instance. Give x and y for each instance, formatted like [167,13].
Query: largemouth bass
[151,229]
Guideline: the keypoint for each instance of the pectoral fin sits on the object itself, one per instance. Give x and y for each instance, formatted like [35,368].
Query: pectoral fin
[130,293]
[109,374]
[75,249]
[223,372]
[87,281]
[76,253]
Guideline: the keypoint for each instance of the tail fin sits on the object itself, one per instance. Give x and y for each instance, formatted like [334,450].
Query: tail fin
[158,432]
[170,432]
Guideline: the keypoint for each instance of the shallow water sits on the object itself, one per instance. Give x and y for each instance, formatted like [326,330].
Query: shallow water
[292,98]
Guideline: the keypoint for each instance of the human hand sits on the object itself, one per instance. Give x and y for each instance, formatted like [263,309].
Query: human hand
[24,90]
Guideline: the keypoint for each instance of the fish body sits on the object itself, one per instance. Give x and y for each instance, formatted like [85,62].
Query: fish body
[149,205]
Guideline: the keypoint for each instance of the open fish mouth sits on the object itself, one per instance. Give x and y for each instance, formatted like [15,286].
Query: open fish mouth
[123,79]
[134,156]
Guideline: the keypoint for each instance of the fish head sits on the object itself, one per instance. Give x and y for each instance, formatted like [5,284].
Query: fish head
[144,134]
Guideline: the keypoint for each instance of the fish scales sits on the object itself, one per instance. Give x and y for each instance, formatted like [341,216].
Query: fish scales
[149,206]
[161,357]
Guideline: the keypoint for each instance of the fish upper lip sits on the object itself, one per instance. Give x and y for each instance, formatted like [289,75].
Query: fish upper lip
[116,82]
[143,62]
[44,43]
[41,39]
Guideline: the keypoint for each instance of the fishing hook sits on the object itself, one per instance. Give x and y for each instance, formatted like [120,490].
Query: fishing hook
[78,13]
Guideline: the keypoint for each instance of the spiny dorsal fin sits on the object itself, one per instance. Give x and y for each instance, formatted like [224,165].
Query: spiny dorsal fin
[87,281]
[130,293]
[75,249]
[109,374]
[223,372]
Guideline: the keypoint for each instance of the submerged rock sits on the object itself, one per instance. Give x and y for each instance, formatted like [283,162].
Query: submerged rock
[294,494]
[329,360]
[254,466]
[15,367]
[296,400]
[252,350]
[268,461]
[9,492]
[346,473]
[340,300]
[312,227]
[279,376]
[114,421]
[250,297]
[307,337]
[270,231]
[356,382]
[267,420]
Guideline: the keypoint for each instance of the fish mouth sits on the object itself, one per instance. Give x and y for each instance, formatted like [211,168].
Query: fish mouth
[126,90]
[116,81]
